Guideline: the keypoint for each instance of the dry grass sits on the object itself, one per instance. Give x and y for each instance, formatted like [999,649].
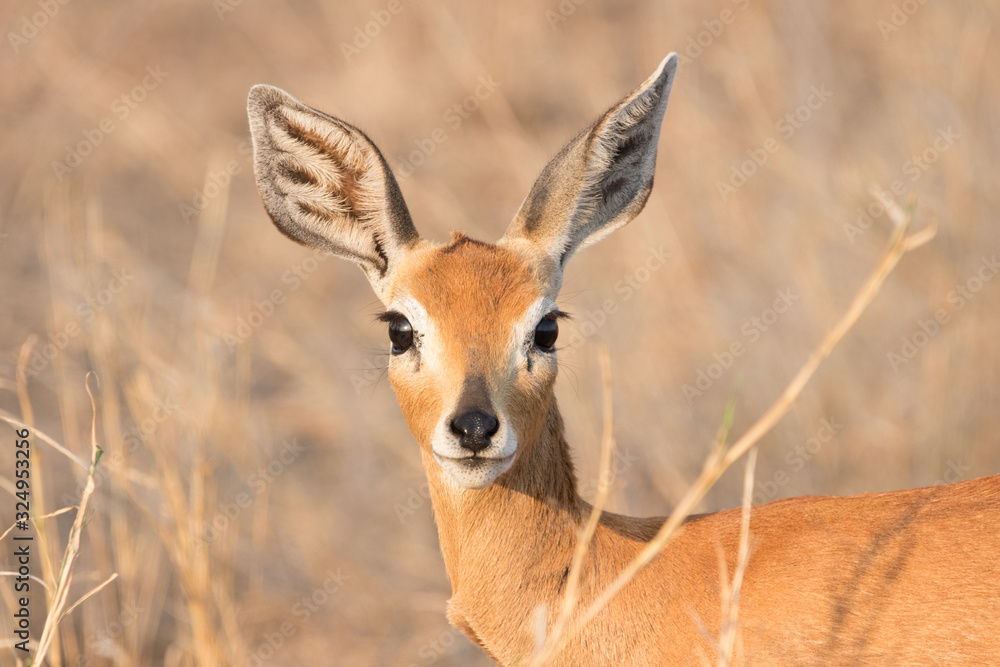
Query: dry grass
[190,423]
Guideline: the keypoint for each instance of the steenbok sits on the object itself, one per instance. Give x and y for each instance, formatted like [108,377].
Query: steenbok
[901,578]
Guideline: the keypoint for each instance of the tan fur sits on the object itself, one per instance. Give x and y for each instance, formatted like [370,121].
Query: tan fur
[903,578]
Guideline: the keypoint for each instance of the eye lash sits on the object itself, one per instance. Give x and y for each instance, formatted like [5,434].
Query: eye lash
[551,315]
[390,316]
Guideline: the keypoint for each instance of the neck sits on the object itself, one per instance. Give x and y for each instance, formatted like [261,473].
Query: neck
[508,548]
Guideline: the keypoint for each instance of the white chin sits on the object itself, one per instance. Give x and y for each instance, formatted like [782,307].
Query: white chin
[477,473]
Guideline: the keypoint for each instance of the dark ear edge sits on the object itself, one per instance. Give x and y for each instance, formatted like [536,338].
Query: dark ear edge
[602,178]
[326,185]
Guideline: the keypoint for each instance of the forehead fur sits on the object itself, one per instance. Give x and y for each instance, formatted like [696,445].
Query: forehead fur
[468,284]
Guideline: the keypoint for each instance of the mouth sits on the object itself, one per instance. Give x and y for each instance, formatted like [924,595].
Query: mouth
[474,460]
[474,471]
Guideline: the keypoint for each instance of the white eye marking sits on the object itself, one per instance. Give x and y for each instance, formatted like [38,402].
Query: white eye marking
[523,335]
[424,332]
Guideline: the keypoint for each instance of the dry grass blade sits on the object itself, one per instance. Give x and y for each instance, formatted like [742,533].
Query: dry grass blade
[93,591]
[731,599]
[57,513]
[21,379]
[7,532]
[557,637]
[30,576]
[55,613]
[47,439]
[899,244]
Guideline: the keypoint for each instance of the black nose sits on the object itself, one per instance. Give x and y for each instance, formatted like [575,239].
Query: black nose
[474,430]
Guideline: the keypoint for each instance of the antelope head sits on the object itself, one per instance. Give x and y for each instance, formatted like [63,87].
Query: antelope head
[473,326]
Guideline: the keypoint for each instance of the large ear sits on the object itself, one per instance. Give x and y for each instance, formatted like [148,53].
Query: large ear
[325,185]
[601,179]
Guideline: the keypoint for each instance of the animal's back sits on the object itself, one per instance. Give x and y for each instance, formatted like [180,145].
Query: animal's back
[902,578]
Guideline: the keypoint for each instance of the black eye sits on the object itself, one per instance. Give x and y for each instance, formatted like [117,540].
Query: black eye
[546,333]
[401,335]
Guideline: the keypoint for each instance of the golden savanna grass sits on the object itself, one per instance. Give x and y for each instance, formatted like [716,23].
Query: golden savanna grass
[259,496]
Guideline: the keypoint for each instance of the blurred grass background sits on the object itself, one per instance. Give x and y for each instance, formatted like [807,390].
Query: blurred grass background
[261,498]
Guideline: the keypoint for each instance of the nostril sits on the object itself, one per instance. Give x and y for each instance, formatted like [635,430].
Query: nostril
[475,429]
[492,426]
